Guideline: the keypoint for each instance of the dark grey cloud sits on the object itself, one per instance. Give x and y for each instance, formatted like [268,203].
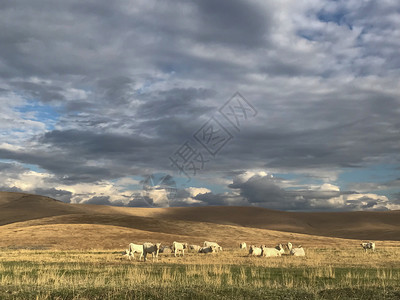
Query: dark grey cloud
[13,189]
[233,22]
[42,91]
[116,90]
[69,169]
[103,200]
[62,195]
[100,200]
[221,199]
[133,80]
[375,186]
[11,168]
[176,102]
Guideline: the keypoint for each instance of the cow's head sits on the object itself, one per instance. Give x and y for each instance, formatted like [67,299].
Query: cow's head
[157,246]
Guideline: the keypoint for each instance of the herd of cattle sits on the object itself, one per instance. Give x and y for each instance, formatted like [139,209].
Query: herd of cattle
[176,249]
[270,252]
[211,247]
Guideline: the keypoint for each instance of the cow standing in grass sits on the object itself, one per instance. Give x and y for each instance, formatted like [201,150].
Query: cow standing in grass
[179,247]
[151,248]
[132,249]
[369,245]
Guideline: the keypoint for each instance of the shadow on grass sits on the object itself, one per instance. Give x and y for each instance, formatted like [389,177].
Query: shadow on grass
[198,293]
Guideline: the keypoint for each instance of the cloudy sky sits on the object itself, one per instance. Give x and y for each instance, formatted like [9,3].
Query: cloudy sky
[135,103]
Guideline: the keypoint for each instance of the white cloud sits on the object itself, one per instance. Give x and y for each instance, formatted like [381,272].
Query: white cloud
[328,187]
[194,191]
[28,180]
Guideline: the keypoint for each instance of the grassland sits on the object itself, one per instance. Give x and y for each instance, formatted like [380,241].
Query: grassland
[75,253]
[105,274]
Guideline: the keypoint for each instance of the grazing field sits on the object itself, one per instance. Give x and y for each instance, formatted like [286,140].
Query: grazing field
[106,274]
[76,253]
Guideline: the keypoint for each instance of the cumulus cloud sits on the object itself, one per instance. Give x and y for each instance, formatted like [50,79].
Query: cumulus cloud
[267,191]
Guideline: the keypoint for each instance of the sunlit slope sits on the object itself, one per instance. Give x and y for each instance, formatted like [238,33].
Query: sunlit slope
[36,221]
[71,232]
[358,225]
[16,207]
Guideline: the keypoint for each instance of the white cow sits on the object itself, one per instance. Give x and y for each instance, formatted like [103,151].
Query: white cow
[271,252]
[255,251]
[209,249]
[289,246]
[243,245]
[369,245]
[132,249]
[195,248]
[298,251]
[151,248]
[208,244]
[179,247]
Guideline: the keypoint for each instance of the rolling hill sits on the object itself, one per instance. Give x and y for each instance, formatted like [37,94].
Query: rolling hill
[41,222]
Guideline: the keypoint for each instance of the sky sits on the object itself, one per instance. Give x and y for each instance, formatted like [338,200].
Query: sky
[288,105]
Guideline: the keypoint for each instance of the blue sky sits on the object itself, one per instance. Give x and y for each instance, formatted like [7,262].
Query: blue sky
[119,91]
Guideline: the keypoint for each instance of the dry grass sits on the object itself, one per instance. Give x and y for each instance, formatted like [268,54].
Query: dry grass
[45,273]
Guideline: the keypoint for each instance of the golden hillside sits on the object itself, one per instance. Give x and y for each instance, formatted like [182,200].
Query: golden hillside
[37,221]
